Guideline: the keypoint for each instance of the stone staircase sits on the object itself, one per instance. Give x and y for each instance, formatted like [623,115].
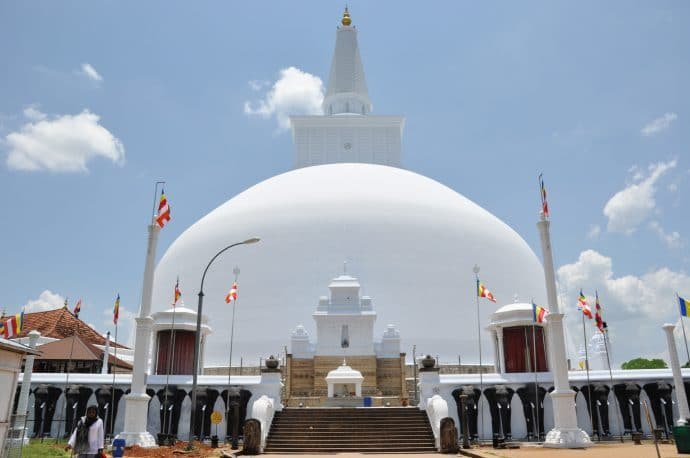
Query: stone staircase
[363,430]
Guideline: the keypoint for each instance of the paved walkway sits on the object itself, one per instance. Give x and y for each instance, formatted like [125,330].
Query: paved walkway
[626,450]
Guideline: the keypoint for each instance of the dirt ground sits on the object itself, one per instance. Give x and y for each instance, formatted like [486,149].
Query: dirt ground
[609,450]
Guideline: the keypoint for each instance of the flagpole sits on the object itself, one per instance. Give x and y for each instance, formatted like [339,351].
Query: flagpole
[682,325]
[536,383]
[169,368]
[112,386]
[67,371]
[589,385]
[615,399]
[235,271]
[479,342]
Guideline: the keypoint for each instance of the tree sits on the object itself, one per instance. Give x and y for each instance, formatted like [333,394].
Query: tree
[644,363]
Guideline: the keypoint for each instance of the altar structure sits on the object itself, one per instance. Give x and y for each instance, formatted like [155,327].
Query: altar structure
[344,353]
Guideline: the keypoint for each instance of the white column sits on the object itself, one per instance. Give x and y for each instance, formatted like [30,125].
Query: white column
[565,433]
[106,354]
[682,399]
[501,354]
[136,402]
[23,403]
[358,389]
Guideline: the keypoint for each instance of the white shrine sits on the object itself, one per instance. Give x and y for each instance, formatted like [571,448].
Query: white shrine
[346,349]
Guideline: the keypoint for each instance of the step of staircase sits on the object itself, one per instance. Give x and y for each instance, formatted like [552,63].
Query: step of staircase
[362,430]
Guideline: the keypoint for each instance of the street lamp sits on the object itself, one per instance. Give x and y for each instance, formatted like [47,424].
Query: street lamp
[197,337]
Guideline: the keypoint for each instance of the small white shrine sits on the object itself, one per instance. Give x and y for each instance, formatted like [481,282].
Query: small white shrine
[341,381]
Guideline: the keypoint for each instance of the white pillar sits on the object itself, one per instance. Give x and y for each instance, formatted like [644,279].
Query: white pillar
[501,355]
[137,401]
[23,402]
[682,399]
[106,354]
[565,433]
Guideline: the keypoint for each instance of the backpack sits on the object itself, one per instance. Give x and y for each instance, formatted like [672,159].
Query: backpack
[81,443]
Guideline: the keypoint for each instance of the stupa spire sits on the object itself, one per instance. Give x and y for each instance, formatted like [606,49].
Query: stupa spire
[347,88]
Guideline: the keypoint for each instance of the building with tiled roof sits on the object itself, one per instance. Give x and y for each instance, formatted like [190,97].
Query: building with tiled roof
[61,323]
[74,355]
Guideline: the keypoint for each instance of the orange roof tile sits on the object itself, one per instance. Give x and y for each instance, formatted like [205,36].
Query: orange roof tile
[61,323]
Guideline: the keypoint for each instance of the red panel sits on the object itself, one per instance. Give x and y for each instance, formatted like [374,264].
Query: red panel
[183,355]
[514,349]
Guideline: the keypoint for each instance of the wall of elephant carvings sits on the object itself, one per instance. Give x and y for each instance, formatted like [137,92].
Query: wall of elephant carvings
[54,409]
[523,411]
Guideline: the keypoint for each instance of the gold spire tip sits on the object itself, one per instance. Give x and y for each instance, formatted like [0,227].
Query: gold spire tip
[346,21]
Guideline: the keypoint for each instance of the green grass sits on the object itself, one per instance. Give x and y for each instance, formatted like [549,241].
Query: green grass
[48,448]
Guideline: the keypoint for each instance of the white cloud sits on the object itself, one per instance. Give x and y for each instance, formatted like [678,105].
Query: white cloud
[632,305]
[90,72]
[658,124]
[649,295]
[594,231]
[65,143]
[631,206]
[47,300]
[257,85]
[672,240]
[32,113]
[294,93]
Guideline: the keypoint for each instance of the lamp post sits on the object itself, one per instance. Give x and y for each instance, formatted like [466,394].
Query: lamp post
[197,336]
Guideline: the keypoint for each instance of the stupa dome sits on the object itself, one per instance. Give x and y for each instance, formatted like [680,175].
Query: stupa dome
[412,242]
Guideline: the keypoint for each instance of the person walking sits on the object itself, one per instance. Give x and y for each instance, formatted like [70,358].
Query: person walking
[88,437]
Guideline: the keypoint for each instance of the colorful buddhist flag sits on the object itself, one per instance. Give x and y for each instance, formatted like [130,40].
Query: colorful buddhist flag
[77,308]
[177,293]
[482,291]
[684,306]
[544,203]
[601,324]
[116,310]
[539,313]
[232,295]
[13,326]
[163,215]
[584,306]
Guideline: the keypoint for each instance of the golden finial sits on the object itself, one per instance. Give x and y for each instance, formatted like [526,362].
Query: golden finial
[346,18]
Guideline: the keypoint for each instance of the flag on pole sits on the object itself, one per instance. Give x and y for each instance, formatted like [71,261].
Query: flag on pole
[12,327]
[178,293]
[684,306]
[116,310]
[232,295]
[482,291]
[163,215]
[601,324]
[584,306]
[77,308]
[539,313]
[544,203]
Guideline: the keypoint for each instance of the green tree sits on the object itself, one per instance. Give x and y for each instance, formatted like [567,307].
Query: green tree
[644,363]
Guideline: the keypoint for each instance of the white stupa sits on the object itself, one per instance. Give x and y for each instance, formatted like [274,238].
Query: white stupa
[348,199]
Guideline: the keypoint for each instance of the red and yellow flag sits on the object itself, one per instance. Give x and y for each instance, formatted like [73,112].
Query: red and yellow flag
[482,291]
[232,295]
[163,215]
[177,293]
[116,310]
[584,306]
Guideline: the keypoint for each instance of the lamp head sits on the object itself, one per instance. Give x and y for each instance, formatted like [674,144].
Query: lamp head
[251,240]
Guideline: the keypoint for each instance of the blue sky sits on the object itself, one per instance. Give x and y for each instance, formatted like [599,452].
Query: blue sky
[99,100]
